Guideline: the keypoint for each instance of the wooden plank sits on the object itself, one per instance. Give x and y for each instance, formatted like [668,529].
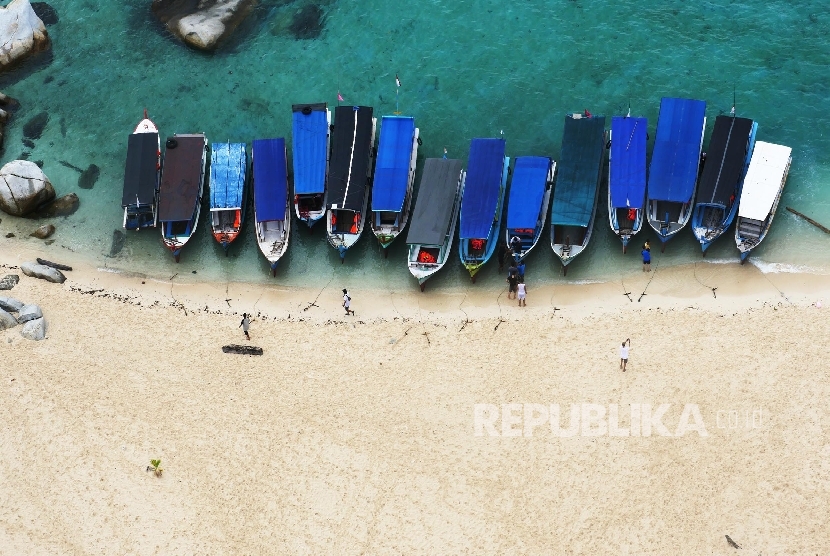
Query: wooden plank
[810,220]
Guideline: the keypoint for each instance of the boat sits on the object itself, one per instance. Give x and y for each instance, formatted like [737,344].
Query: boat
[432,226]
[350,175]
[141,176]
[528,202]
[181,189]
[272,210]
[675,162]
[762,190]
[482,203]
[311,127]
[228,191]
[394,177]
[627,176]
[577,186]
[727,160]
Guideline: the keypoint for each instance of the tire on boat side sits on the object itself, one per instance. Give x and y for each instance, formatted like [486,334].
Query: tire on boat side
[171,143]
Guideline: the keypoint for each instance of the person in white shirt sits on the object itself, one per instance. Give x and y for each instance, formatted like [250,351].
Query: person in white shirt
[522,289]
[624,353]
[347,302]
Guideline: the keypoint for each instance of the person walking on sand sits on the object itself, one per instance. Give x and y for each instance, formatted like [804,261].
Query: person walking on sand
[520,268]
[624,353]
[522,289]
[512,281]
[646,259]
[347,302]
[245,325]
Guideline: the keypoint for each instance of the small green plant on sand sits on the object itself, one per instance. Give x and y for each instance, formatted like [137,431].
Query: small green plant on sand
[156,469]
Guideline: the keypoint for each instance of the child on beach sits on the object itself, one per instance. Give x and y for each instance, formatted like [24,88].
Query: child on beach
[245,324]
[522,289]
[624,353]
[347,302]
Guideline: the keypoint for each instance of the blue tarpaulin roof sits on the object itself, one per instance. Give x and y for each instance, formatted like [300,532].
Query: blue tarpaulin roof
[580,162]
[310,148]
[481,191]
[676,157]
[628,162]
[530,176]
[270,182]
[392,166]
[228,162]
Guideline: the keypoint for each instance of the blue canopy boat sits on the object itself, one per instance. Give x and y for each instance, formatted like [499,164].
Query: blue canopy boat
[350,175]
[272,211]
[181,189]
[577,186]
[727,160]
[394,177]
[528,202]
[482,201]
[674,165]
[311,127]
[228,194]
[627,176]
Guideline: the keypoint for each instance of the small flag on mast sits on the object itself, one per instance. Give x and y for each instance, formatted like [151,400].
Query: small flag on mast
[339,96]
[397,81]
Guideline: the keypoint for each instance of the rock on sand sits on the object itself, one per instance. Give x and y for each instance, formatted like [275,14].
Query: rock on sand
[43,272]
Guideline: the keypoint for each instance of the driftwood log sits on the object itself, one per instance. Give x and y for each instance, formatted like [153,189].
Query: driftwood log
[810,220]
[242,350]
[58,266]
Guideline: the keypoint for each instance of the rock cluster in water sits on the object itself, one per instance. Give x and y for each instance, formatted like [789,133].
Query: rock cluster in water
[23,188]
[7,104]
[30,316]
[202,24]
[23,33]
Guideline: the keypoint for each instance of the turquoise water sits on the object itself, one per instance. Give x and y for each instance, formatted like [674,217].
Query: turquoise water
[468,69]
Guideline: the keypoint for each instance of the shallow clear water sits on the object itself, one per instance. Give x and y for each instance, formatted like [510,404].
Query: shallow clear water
[468,69]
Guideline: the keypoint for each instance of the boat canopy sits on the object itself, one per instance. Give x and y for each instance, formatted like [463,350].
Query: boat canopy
[310,130]
[481,190]
[228,166]
[530,177]
[392,164]
[627,180]
[725,160]
[676,156]
[181,178]
[141,170]
[270,181]
[430,222]
[767,170]
[579,166]
[351,144]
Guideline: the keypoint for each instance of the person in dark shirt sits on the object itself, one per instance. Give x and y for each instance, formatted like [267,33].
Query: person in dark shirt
[646,260]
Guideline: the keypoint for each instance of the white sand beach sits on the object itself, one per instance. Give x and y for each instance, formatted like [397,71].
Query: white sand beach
[356,435]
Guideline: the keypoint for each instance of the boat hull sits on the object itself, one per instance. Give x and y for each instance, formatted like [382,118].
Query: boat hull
[474,259]
[174,240]
[706,234]
[141,216]
[423,271]
[386,233]
[747,244]
[528,243]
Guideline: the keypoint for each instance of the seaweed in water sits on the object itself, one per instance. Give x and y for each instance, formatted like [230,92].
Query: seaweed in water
[29,143]
[47,14]
[308,22]
[33,129]
[88,177]
[118,239]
